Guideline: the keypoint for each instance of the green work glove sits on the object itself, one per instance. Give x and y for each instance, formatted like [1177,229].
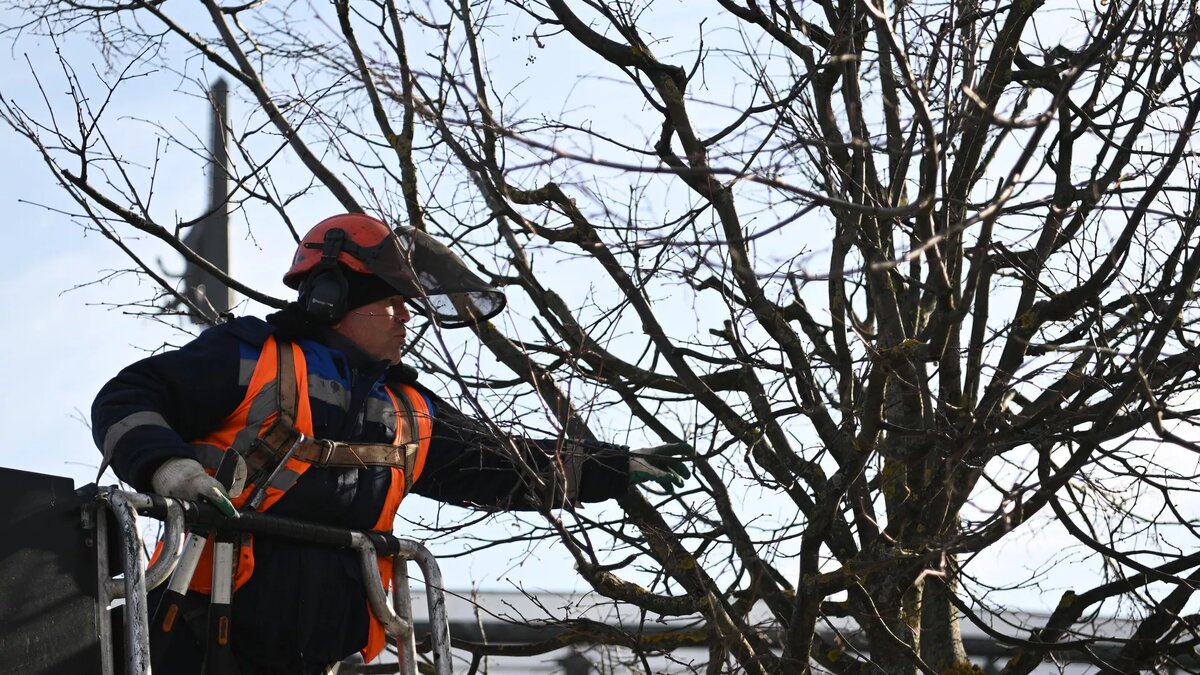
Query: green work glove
[663,464]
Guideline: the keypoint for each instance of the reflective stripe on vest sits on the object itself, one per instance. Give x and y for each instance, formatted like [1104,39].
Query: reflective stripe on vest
[267,403]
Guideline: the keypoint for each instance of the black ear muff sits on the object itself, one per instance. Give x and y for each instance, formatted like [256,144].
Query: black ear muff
[324,295]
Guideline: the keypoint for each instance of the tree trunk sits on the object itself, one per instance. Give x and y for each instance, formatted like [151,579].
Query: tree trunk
[893,625]
[941,641]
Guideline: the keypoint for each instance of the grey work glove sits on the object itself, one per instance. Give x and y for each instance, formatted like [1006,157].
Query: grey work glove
[184,478]
[663,464]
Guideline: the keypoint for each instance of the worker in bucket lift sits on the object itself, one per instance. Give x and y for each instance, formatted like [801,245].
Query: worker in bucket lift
[322,380]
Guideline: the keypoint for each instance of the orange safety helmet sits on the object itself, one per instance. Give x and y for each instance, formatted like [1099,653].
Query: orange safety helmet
[434,281]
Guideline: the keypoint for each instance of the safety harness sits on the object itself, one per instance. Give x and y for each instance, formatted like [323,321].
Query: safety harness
[272,431]
[282,442]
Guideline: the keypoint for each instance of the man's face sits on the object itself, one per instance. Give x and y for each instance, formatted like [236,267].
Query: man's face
[377,328]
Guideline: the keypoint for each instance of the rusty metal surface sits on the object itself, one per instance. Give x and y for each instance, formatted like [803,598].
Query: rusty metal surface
[397,622]
[435,599]
[168,557]
[103,576]
[393,624]
[406,647]
[137,633]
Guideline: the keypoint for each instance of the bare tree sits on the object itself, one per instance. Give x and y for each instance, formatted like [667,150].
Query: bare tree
[911,277]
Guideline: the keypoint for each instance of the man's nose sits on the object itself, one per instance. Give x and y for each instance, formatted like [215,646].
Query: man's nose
[402,313]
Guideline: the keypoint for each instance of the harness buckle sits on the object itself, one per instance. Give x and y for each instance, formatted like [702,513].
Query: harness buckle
[327,448]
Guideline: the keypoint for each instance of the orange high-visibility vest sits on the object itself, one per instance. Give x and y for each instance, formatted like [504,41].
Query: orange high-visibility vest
[269,400]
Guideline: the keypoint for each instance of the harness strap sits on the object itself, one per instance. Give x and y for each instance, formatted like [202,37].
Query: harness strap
[285,381]
[414,433]
[334,453]
[269,448]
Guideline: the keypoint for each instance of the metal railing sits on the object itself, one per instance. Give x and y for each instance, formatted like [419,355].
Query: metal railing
[178,516]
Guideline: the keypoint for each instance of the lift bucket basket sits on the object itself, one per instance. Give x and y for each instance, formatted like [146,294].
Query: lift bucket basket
[58,565]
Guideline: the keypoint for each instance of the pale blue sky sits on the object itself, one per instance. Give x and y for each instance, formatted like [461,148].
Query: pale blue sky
[62,344]
[64,341]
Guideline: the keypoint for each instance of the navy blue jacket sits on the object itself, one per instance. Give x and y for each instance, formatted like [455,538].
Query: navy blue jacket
[303,597]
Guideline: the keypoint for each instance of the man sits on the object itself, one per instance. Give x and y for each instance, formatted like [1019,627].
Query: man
[323,424]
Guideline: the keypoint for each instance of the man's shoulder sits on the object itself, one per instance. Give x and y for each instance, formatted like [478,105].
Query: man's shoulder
[246,329]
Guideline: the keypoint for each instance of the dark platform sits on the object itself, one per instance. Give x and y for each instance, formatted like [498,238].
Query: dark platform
[47,578]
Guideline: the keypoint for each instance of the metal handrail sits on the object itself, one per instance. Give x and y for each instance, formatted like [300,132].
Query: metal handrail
[435,601]
[164,565]
[137,632]
[177,515]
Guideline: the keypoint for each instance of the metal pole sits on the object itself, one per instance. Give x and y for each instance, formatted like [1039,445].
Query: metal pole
[137,634]
[168,557]
[376,595]
[406,647]
[435,598]
[103,599]
[210,236]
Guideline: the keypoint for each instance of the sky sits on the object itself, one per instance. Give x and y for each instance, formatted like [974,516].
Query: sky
[64,341]
[63,338]
[61,343]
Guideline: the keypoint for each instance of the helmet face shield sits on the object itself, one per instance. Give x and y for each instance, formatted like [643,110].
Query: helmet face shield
[435,281]
[390,261]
